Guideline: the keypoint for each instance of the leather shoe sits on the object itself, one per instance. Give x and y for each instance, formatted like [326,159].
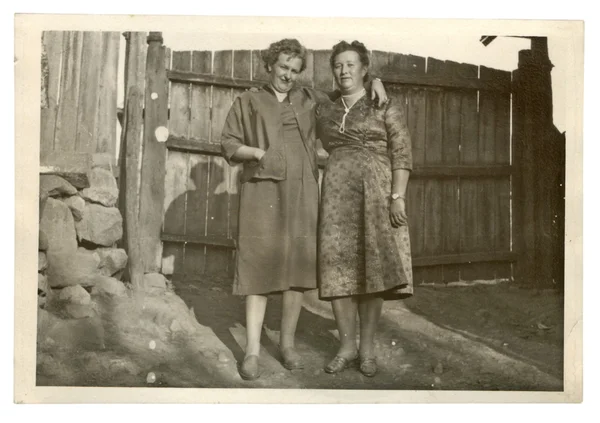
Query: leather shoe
[339,364]
[291,359]
[249,368]
[368,366]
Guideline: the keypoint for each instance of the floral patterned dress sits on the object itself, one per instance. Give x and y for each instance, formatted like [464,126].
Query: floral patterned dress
[359,251]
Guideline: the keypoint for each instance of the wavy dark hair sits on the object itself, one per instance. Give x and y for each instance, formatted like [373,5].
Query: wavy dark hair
[289,46]
[356,46]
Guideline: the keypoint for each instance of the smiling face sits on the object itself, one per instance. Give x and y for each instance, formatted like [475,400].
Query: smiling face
[349,72]
[284,72]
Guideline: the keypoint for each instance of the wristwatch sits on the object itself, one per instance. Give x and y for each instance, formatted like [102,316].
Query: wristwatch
[395,196]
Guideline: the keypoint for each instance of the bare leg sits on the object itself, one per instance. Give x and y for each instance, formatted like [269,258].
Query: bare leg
[290,312]
[344,310]
[255,314]
[369,310]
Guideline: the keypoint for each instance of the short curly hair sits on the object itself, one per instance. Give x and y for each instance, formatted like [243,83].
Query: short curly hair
[356,46]
[289,46]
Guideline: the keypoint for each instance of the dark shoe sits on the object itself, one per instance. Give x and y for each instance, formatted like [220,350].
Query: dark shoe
[368,366]
[339,364]
[249,368]
[291,359]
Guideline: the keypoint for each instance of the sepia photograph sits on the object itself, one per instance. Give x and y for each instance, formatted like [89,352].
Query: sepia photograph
[239,209]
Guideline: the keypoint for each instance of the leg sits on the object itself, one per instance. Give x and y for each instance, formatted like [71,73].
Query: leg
[290,312]
[369,310]
[255,314]
[344,310]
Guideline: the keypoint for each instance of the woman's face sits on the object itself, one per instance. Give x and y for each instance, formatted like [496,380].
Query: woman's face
[284,72]
[349,72]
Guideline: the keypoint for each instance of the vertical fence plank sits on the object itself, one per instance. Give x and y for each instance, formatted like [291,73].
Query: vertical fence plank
[53,42]
[106,131]
[89,92]
[197,190]
[380,63]
[218,259]
[306,77]
[451,156]
[416,116]
[487,200]
[323,80]
[433,241]
[503,185]
[153,161]
[66,122]
[259,73]
[469,138]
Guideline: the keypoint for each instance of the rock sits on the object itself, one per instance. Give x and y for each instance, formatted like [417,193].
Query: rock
[59,227]
[223,357]
[119,365]
[79,311]
[71,166]
[42,241]
[175,326]
[76,204]
[55,186]
[438,369]
[42,261]
[79,268]
[75,295]
[112,260]
[100,225]
[154,282]
[107,286]
[103,188]
[151,378]
[43,286]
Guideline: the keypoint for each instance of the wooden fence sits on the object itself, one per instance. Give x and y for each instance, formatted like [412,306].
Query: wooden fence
[79,96]
[459,196]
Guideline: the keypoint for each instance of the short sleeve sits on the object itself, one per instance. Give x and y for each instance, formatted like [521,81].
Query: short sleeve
[399,144]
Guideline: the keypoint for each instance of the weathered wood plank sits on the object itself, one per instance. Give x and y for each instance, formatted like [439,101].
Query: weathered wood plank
[323,79]
[465,258]
[89,91]
[106,131]
[130,209]
[306,77]
[218,259]
[450,187]
[433,225]
[197,203]
[47,129]
[176,177]
[259,72]
[469,214]
[53,42]
[66,122]
[218,241]
[487,199]
[153,161]
[179,118]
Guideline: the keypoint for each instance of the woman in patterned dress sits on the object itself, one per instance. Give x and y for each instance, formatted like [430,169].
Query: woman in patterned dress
[272,132]
[363,244]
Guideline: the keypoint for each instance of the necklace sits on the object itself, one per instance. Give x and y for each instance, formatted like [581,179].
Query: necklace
[355,97]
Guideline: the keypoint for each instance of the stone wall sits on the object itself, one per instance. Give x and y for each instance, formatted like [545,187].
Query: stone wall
[80,226]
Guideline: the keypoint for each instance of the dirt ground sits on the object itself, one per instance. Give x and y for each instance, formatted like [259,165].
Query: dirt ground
[480,337]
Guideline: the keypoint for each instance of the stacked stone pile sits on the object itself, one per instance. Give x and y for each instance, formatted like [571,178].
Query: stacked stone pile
[80,226]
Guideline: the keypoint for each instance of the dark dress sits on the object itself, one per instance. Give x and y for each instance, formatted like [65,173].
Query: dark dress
[359,250]
[276,249]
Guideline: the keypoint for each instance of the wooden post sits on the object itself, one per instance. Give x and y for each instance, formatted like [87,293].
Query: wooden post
[532,117]
[153,159]
[130,157]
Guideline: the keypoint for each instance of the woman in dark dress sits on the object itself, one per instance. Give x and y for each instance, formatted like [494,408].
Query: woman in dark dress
[272,131]
[364,247]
